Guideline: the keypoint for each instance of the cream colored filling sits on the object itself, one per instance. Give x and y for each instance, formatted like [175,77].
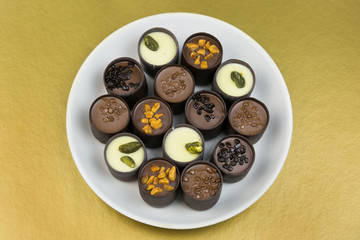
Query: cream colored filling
[164,54]
[226,84]
[113,154]
[175,144]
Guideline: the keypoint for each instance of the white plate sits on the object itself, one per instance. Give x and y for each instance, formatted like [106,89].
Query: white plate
[271,150]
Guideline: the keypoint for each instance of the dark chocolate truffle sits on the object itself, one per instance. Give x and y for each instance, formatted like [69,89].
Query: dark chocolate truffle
[201,184]
[174,84]
[108,115]
[248,117]
[151,118]
[234,155]
[202,54]
[124,77]
[206,111]
[158,182]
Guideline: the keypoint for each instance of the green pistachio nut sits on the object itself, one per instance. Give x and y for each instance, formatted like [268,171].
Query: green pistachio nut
[194,147]
[128,161]
[238,79]
[129,147]
[150,43]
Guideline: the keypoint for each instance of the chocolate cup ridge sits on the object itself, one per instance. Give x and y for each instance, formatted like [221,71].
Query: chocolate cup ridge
[154,140]
[232,177]
[252,138]
[182,165]
[152,69]
[208,133]
[200,204]
[202,76]
[155,200]
[228,98]
[100,135]
[130,97]
[124,176]
[177,107]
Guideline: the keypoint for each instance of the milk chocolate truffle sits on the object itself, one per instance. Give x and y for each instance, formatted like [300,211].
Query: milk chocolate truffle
[202,54]
[157,47]
[248,117]
[124,153]
[158,182]
[174,84]
[234,79]
[201,184]
[206,111]
[183,144]
[108,116]
[125,78]
[151,118]
[234,155]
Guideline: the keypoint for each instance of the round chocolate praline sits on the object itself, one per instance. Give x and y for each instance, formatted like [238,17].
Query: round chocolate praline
[202,76]
[174,83]
[201,184]
[230,99]
[124,77]
[248,117]
[211,119]
[165,197]
[124,175]
[150,68]
[181,164]
[108,116]
[154,139]
[234,155]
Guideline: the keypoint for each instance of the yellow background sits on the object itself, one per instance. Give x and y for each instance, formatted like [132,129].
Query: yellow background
[315,44]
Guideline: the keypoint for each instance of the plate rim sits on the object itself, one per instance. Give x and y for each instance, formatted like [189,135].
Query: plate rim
[154,222]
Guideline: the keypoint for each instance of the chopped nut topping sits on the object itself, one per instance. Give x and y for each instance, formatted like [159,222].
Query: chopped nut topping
[202,52]
[151,121]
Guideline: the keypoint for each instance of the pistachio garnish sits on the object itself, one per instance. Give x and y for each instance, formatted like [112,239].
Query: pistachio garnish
[129,147]
[128,161]
[238,79]
[194,147]
[150,43]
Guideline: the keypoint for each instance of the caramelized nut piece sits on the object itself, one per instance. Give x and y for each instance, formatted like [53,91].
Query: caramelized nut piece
[209,56]
[162,175]
[156,124]
[155,107]
[145,120]
[164,181]
[155,191]
[162,169]
[150,186]
[192,46]
[193,55]
[197,61]
[201,52]
[152,119]
[147,107]
[213,49]
[207,45]
[149,114]
[167,171]
[144,179]
[172,173]
[168,187]
[201,42]
[159,115]
[150,180]
[154,168]
[147,129]
[156,180]
[204,64]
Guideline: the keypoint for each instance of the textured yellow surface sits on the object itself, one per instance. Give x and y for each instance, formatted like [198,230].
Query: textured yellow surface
[316,45]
